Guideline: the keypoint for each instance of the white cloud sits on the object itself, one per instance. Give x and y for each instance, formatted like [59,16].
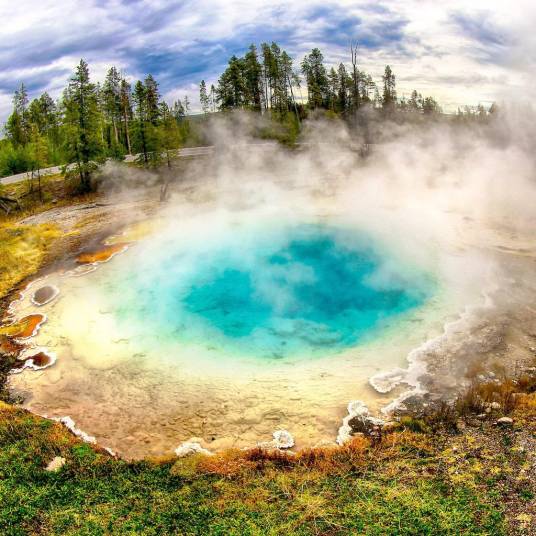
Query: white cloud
[458,51]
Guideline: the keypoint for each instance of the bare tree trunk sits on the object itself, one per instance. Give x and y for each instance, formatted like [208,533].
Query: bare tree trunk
[7,202]
[39,184]
[293,99]
[116,135]
[125,119]
[353,52]
[165,184]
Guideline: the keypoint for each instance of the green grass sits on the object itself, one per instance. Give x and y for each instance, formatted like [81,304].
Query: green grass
[399,487]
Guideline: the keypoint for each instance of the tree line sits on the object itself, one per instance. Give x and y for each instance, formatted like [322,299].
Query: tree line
[92,122]
[268,80]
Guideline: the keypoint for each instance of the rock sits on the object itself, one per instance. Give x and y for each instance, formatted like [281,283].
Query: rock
[56,464]
[358,421]
[283,439]
[190,447]
[505,422]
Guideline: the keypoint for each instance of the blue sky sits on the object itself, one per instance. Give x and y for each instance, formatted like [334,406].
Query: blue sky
[461,52]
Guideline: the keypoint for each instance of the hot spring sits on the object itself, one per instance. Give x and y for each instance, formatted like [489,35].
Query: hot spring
[228,327]
[266,291]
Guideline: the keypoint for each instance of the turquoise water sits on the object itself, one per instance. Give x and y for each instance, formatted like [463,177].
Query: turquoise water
[269,291]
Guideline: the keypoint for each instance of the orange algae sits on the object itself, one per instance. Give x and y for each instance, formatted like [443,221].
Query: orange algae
[24,328]
[101,255]
[39,360]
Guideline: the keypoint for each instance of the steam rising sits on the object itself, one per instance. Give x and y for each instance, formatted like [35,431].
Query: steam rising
[457,199]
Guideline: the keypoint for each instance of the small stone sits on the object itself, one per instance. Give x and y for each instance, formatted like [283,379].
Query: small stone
[495,405]
[505,422]
[283,439]
[190,447]
[56,464]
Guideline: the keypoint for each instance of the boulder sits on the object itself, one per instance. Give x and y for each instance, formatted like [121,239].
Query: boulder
[505,422]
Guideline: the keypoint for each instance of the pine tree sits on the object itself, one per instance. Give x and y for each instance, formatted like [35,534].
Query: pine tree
[125,98]
[231,88]
[18,125]
[430,106]
[316,78]
[253,78]
[43,112]
[415,102]
[343,88]
[178,111]
[111,93]
[140,103]
[389,89]
[212,98]
[203,97]
[333,90]
[82,115]
[152,98]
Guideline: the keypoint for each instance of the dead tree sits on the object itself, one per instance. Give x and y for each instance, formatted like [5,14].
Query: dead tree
[8,204]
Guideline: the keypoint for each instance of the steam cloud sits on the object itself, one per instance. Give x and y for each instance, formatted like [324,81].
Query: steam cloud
[456,197]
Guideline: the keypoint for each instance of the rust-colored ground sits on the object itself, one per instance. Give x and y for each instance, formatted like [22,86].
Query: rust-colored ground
[101,255]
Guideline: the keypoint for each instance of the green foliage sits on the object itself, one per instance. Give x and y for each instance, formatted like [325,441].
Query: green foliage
[389,89]
[269,83]
[13,159]
[91,123]
[415,425]
[362,492]
[316,78]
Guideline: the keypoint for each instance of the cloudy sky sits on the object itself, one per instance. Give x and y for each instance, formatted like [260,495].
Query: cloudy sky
[461,52]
